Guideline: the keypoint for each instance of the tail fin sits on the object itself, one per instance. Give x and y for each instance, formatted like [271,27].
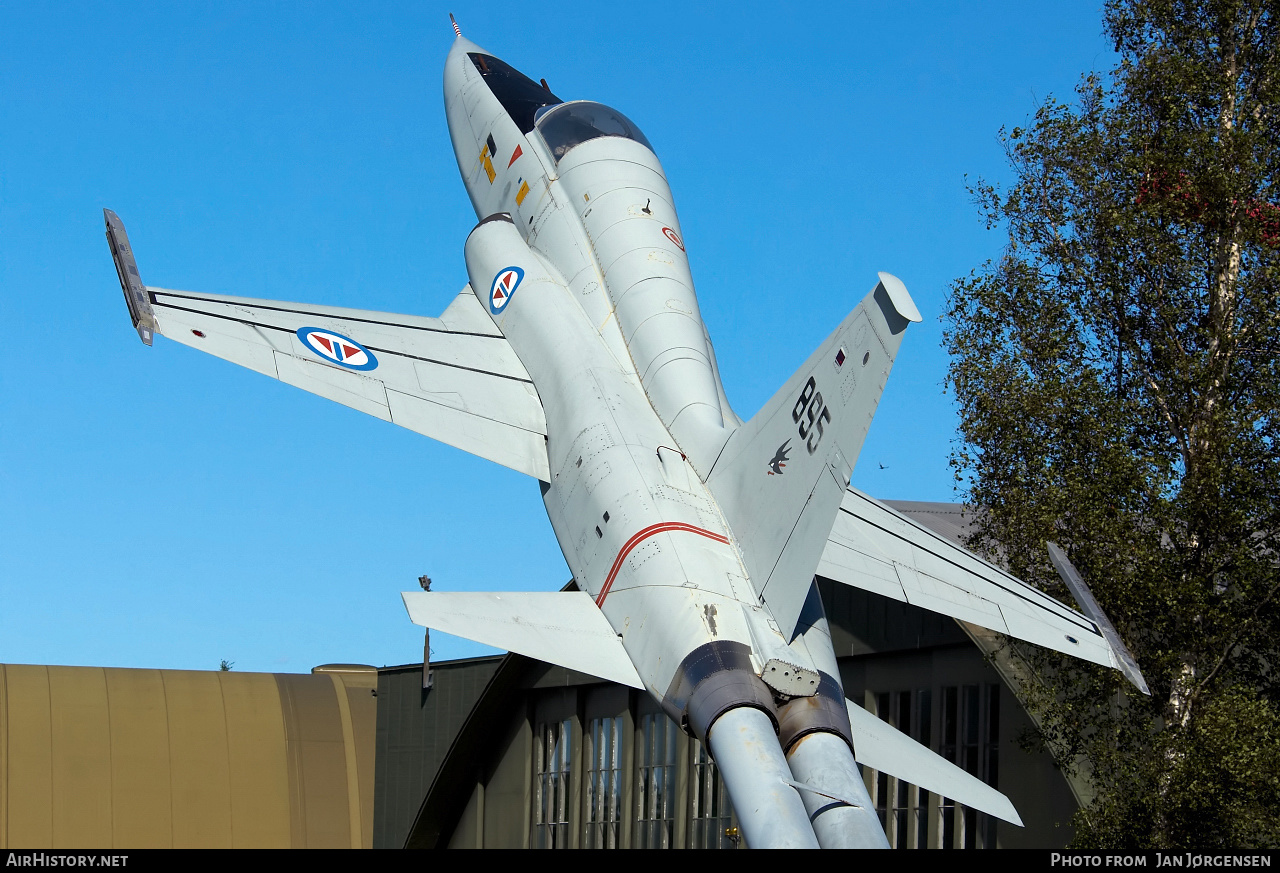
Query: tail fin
[782,475]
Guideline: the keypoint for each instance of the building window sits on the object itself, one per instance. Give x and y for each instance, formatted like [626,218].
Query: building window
[711,814]
[971,740]
[950,748]
[967,735]
[551,758]
[921,732]
[656,783]
[903,808]
[603,746]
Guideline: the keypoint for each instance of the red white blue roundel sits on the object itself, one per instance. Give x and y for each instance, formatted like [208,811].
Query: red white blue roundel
[337,349]
[504,285]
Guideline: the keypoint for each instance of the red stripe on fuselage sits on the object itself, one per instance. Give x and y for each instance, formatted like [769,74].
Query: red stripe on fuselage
[637,539]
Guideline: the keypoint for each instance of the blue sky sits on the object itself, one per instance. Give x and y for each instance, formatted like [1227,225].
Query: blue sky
[160,508]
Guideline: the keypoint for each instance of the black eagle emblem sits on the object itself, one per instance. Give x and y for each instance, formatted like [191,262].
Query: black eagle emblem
[776,465]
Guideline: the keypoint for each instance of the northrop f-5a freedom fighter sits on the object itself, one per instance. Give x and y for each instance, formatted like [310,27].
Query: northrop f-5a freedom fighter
[576,354]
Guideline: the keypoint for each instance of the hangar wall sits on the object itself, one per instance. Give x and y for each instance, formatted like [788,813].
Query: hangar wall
[101,757]
[416,730]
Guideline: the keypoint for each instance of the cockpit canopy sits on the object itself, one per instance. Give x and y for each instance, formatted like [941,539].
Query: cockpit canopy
[566,125]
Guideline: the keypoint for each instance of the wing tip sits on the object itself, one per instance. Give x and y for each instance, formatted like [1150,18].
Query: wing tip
[1122,659]
[135,293]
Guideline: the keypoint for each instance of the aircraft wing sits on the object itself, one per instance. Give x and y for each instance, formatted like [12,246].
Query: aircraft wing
[454,378]
[877,549]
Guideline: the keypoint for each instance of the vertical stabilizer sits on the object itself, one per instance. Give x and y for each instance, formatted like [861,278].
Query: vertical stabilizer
[782,475]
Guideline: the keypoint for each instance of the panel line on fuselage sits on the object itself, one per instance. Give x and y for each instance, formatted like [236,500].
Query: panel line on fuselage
[641,536]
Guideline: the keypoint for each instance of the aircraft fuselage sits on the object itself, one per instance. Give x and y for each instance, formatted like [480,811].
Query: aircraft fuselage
[607,323]
[580,261]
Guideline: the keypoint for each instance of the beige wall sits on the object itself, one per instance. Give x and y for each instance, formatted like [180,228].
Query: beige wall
[115,758]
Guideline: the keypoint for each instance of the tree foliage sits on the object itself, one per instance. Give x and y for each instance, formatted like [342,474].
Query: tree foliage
[1118,381]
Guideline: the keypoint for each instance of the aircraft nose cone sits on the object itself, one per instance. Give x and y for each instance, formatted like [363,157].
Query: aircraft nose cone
[461,46]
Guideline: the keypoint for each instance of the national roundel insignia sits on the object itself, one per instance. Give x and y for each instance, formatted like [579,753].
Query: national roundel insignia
[337,349]
[673,236]
[504,285]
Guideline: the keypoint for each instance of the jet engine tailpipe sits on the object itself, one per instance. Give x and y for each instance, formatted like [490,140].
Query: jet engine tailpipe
[837,804]
[771,813]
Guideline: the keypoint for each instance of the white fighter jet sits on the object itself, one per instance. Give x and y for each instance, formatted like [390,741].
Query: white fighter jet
[577,355]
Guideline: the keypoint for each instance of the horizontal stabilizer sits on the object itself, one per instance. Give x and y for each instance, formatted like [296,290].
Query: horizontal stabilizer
[558,627]
[879,550]
[880,746]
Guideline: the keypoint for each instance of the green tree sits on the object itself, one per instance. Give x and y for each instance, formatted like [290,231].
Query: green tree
[1118,383]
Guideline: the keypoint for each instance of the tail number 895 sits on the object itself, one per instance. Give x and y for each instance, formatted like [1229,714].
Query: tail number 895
[810,413]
